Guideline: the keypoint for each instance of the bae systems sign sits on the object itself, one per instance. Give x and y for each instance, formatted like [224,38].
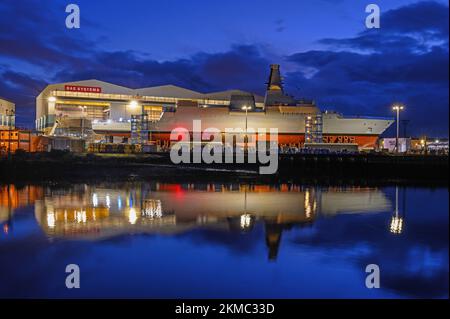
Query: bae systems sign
[87,89]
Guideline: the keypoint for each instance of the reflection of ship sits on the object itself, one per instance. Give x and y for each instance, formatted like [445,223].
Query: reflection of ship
[97,212]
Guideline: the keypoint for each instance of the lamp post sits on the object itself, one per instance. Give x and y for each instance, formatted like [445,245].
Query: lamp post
[10,115]
[246,108]
[83,115]
[397,108]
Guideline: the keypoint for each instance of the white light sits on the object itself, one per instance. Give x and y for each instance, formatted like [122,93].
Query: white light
[153,209]
[396,225]
[52,99]
[51,219]
[108,201]
[437,141]
[94,200]
[132,216]
[81,216]
[133,104]
[120,119]
[245,221]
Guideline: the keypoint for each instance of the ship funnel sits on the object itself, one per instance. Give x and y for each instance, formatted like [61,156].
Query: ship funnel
[274,93]
[275,82]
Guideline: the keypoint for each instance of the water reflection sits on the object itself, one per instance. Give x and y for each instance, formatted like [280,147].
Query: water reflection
[93,212]
[12,198]
[320,237]
[397,217]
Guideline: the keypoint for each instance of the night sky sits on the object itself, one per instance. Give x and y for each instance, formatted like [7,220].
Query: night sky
[324,49]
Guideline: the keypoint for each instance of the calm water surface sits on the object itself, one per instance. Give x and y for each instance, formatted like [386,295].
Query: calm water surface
[162,240]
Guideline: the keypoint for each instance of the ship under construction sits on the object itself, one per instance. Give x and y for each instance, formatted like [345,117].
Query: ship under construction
[102,112]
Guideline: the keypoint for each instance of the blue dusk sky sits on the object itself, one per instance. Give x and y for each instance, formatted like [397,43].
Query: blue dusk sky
[325,51]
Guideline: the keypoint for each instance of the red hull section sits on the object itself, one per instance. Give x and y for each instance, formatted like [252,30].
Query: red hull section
[363,141]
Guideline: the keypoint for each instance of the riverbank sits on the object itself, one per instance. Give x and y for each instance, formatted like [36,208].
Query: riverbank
[416,169]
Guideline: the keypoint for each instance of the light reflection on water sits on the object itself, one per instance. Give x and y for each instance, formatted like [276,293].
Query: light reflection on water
[281,240]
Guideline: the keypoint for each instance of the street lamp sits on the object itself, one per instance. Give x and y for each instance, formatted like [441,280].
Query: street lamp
[246,108]
[397,108]
[10,115]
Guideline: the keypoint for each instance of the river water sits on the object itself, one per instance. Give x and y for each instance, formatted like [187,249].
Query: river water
[223,240]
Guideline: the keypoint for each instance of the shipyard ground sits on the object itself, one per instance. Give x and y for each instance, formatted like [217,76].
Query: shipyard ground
[328,168]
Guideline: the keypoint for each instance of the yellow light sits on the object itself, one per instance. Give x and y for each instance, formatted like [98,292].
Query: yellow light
[133,104]
[84,103]
[52,99]
[398,107]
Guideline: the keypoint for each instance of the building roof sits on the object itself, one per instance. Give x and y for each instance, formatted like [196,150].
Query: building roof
[7,100]
[170,91]
[158,91]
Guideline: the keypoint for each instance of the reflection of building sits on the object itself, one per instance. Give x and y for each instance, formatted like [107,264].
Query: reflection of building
[12,197]
[95,212]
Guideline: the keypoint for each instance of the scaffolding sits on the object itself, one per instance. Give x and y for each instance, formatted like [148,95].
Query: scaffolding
[139,129]
[314,128]
[141,125]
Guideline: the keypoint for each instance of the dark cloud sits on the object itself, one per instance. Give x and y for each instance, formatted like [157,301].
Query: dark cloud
[420,17]
[414,27]
[406,60]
